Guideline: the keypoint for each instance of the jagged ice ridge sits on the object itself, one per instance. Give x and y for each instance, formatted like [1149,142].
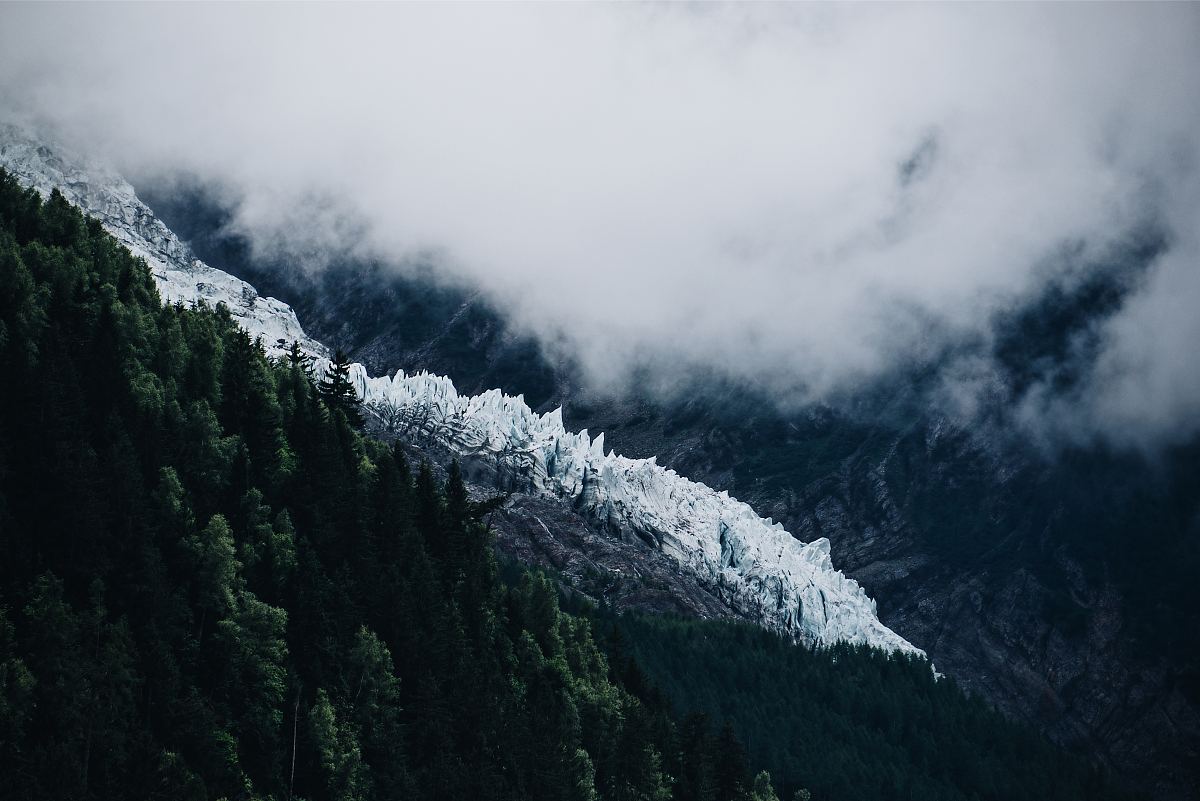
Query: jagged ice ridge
[753,565]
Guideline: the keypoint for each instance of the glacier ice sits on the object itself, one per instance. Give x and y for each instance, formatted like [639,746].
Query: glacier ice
[753,565]
[179,274]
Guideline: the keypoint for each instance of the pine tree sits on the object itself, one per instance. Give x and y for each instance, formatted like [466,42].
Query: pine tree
[762,789]
[345,776]
[429,512]
[374,694]
[457,503]
[731,768]
[696,779]
[253,655]
[338,391]
[294,357]
[16,692]
[213,563]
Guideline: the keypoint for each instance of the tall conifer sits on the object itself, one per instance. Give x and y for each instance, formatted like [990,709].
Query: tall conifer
[338,391]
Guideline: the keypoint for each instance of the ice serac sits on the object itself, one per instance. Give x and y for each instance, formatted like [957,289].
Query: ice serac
[752,565]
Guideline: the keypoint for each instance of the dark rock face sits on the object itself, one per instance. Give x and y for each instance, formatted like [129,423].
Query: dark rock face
[623,574]
[1050,612]
[1063,591]
[1055,646]
[610,567]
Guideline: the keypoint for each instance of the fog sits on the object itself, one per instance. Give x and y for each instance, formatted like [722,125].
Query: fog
[807,197]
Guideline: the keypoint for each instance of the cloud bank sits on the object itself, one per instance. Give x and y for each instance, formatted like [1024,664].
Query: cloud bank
[804,196]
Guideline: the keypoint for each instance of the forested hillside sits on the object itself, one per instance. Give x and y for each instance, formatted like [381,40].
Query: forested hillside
[1060,587]
[212,586]
[850,722]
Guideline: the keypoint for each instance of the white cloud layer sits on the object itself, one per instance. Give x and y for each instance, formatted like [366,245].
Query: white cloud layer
[805,196]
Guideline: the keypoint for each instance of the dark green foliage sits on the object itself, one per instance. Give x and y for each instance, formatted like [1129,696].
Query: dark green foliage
[844,723]
[212,587]
[336,389]
[294,356]
[1085,505]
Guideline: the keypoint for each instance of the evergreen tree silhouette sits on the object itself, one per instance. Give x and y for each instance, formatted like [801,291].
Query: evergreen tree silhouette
[338,392]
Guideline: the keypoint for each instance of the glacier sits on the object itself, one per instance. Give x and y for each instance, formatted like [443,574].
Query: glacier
[753,565]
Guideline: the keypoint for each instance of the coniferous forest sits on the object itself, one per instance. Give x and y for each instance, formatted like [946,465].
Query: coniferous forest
[213,586]
[849,722]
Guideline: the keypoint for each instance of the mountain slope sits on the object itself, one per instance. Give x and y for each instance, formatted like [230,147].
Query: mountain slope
[214,587]
[752,566]
[1061,589]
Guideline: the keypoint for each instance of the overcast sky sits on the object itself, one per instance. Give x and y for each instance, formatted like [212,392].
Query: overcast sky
[806,196]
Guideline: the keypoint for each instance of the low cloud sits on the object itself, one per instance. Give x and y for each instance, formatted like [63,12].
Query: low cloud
[807,197]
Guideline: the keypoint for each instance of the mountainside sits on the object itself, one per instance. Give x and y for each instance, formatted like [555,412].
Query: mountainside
[752,566]
[992,560]
[784,702]
[214,587]
[1060,588]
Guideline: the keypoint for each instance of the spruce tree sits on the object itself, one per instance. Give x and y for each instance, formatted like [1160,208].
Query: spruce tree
[338,391]
[457,501]
[295,357]
[732,765]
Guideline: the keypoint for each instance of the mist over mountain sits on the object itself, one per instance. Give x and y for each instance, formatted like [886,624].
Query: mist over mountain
[1058,583]
[908,293]
[123,390]
[805,198]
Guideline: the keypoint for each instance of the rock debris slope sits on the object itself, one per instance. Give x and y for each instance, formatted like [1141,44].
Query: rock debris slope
[752,565]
